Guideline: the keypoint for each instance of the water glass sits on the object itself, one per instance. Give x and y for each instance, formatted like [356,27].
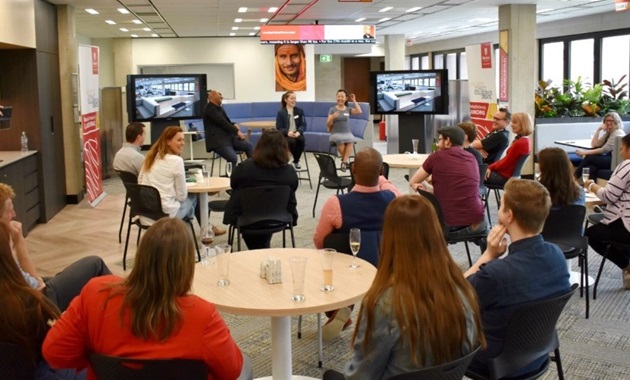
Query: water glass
[298,270]
[223,252]
[355,245]
[326,256]
[415,143]
[228,169]
[586,173]
[207,237]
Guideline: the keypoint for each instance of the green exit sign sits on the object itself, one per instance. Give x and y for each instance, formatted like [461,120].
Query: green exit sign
[325,58]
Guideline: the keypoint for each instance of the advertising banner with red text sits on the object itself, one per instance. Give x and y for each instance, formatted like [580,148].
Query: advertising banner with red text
[90,129]
[482,86]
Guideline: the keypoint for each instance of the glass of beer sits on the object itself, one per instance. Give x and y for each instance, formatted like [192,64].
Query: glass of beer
[326,256]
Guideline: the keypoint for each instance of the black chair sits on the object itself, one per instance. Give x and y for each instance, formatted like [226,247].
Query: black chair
[264,211]
[453,370]
[531,333]
[611,245]
[146,204]
[479,238]
[483,190]
[385,170]
[497,188]
[114,368]
[14,363]
[129,178]
[563,227]
[328,176]
[306,170]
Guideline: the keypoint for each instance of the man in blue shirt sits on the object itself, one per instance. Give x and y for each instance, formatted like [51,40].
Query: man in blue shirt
[532,270]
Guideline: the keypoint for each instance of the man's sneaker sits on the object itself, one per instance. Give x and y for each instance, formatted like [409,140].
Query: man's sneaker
[626,279]
[297,165]
[337,322]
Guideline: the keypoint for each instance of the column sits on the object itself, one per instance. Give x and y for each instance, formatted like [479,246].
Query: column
[394,60]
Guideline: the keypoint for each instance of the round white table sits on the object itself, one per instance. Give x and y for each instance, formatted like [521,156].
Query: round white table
[213,185]
[248,294]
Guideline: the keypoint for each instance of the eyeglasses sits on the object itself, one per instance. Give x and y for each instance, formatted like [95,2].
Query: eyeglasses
[609,121]
[498,118]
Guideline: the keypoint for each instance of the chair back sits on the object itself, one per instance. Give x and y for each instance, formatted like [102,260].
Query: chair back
[531,333]
[127,177]
[14,364]
[385,170]
[519,165]
[327,169]
[145,201]
[114,368]
[438,209]
[564,225]
[339,241]
[453,370]
[266,204]
[370,244]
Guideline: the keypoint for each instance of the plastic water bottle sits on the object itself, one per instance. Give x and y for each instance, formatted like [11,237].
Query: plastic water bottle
[24,142]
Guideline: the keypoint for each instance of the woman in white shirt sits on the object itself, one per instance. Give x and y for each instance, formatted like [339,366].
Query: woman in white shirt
[164,169]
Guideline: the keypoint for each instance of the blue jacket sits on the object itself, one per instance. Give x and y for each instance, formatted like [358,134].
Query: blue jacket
[282,120]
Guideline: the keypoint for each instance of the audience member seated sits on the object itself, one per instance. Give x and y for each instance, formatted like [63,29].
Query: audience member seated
[533,269]
[363,208]
[292,123]
[64,286]
[151,314]
[455,182]
[499,172]
[222,136]
[128,158]
[400,328]
[470,129]
[492,146]
[556,175]
[616,223]
[267,167]
[599,157]
[25,313]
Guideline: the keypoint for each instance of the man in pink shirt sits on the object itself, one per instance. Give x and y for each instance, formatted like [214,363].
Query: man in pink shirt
[363,208]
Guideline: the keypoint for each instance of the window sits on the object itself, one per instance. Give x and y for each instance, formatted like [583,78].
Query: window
[415,63]
[553,63]
[451,65]
[463,66]
[424,62]
[616,58]
[438,61]
[581,61]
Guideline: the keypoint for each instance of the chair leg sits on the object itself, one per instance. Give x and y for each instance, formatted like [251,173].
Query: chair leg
[127,243]
[292,237]
[599,273]
[488,208]
[558,361]
[468,253]
[319,340]
[584,271]
[299,327]
[238,238]
[192,228]
[284,238]
[122,220]
[308,172]
[316,195]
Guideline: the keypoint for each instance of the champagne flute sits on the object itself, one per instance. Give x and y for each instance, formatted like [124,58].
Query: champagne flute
[355,244]
[228,169]
[586,172]
[207,237]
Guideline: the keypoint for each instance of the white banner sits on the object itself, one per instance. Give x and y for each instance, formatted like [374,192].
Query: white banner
[482,86]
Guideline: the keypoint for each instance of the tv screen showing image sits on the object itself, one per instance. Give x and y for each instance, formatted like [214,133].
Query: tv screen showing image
[412,91]
[166,96]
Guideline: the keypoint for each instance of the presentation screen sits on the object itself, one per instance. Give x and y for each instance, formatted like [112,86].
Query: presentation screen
[413,91]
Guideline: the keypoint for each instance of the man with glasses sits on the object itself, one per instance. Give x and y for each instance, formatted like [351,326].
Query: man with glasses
[495,142]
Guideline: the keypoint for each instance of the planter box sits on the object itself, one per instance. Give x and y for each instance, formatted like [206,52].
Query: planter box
[548,130]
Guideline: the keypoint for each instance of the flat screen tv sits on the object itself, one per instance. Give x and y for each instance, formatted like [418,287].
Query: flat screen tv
[409,92]
[153,97]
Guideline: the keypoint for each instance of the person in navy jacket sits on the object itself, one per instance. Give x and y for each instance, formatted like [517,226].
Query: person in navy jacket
[291,122]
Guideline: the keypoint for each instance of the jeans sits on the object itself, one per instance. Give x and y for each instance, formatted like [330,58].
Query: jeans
[187,207]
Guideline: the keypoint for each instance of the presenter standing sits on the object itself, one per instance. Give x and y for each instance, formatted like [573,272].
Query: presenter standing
[337,122]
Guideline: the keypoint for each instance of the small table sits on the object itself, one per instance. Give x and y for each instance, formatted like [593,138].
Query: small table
[581,143]
[214,184]
[405,161]
[593,200]
[263,124]
[248,294]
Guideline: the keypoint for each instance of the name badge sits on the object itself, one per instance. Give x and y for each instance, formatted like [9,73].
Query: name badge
[296,117]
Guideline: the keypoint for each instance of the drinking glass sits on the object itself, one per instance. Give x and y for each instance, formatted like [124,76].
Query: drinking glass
[298,270]
[415,142]
[326,256]
[206,175]
[355,245]
[223,260]
[228,169]
[586,172]
[207,237]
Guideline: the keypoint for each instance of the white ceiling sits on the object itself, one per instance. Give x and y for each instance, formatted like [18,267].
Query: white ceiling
[438,19]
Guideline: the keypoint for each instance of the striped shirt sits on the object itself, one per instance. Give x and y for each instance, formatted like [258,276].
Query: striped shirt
[616,195]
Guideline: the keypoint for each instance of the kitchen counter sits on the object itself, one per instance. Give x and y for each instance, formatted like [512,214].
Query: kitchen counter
[10,157]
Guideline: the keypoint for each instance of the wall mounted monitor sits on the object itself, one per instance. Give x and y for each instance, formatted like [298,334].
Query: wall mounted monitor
[409,92]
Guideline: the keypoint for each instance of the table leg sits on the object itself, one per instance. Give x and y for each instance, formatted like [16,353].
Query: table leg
[203,209]
[281,358]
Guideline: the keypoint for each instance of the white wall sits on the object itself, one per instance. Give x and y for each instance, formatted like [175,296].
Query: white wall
[17,23]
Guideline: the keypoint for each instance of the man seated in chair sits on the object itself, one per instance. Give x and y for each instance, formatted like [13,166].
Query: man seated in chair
[128,158]
[65,285]
[533,269]
[222,136]
[363,208]
[492,146]
[455,182]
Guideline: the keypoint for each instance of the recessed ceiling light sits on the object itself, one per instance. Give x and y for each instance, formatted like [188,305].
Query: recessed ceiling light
[154,35]
[146,29]
[124,29]
[134,35]
[413,9]
[123,11]
[238,20]
[91,11]
[242,10]
[252,34]
[272,10]
[386,9]
[232,34]
[384,19]
[359,19]
[137,22]
[235,28]
[264,19]
[110,22]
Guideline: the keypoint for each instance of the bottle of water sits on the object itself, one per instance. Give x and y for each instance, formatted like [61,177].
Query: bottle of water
[24,142]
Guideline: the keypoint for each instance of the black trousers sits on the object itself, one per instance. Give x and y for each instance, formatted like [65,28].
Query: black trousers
[614,231]
[296,146]
[594,162]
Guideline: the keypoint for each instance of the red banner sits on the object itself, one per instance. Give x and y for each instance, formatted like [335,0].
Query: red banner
[92,155]
[486,56]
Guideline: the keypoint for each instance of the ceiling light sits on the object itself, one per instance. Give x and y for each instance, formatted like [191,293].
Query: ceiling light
[232,34]
[235,28]
[137,22]
[146,29]
[110,22]
[359,19]
[264,19]
[272,10]
[386,9]
[413,9]
[124,29]
[91,11]
[242,10]
[134,35]
[384,19]
[123,11]
[252,34]
[154,35]
[238,20]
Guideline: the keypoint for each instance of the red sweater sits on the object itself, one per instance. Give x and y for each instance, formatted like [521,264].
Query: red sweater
[505,166]
[91,325]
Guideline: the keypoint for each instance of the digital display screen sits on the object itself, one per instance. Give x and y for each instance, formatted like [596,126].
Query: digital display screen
[317,34]
[417,91]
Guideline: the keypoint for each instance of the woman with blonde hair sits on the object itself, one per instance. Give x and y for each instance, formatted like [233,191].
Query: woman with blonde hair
[556,175]
[420,310]
[500,171]
[149,315]
[164,169]
[602,144]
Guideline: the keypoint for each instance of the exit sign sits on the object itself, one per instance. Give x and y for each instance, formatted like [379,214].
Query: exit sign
[325,58]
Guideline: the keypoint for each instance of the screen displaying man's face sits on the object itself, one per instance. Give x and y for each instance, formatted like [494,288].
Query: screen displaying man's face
[289,60]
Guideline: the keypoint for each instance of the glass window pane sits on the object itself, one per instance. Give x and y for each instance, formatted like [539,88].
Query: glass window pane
[451,65]
[553,63]
[424,62]
[581,61]
[415,63]
[616,58]
[407,62]
[438,61]
[463,66]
